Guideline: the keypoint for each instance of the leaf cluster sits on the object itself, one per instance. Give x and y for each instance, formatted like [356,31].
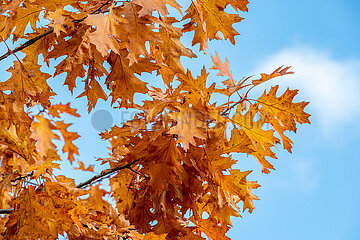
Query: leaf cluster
[171,170]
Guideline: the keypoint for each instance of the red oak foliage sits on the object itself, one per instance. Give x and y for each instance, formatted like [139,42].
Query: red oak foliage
[171,165]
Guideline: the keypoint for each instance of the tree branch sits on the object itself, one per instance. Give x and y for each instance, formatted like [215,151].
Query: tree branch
[91,180]
[27,43]
[51,30]
[101,175]
[22,177]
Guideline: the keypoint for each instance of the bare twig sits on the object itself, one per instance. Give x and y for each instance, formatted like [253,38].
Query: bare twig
[11,52]
[232,106]
[101,175]
[238,102]
[138,173]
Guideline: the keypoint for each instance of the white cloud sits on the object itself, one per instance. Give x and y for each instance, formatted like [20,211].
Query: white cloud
[332,86]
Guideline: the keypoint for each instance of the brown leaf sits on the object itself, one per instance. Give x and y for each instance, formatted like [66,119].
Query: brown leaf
[106,27]
[156,5]
[188,126]
[122,81]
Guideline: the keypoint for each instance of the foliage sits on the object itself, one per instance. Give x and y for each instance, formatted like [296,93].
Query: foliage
[172,164]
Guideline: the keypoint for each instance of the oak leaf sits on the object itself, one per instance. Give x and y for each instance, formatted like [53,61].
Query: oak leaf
[42,131]
[224,69]
[61,20]
[28,80]
[259,137]
[208,18]
[159,5]
[122,80]
[137,31]
[56,109]
[106,28]
[68,137]
[240,4]
[42,46]
[123,190]
[188,126]
[93,91]
[82,167]
[282,112]
[79,53]
[211,229]
[262,140]
[153,236]
[43,167]
[171,47]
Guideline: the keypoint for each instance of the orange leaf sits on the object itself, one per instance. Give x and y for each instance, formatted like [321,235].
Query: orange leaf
[224,69]
[42,131]
[69,137]
[282,113]
[57,109]
[124,84]
[82,167]
[207,18]
[43,167]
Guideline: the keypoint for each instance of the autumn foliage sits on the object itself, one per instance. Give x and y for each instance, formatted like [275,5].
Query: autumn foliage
[171,170]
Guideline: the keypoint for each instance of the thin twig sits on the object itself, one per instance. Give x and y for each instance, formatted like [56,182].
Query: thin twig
[138,173]
[238,102]
[99,9]
[101,175]
[232,106]
[11,52]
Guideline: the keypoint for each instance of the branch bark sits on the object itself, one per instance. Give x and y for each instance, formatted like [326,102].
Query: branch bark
[6,211]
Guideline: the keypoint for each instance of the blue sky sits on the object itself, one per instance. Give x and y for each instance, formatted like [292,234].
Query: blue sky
[314,192]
